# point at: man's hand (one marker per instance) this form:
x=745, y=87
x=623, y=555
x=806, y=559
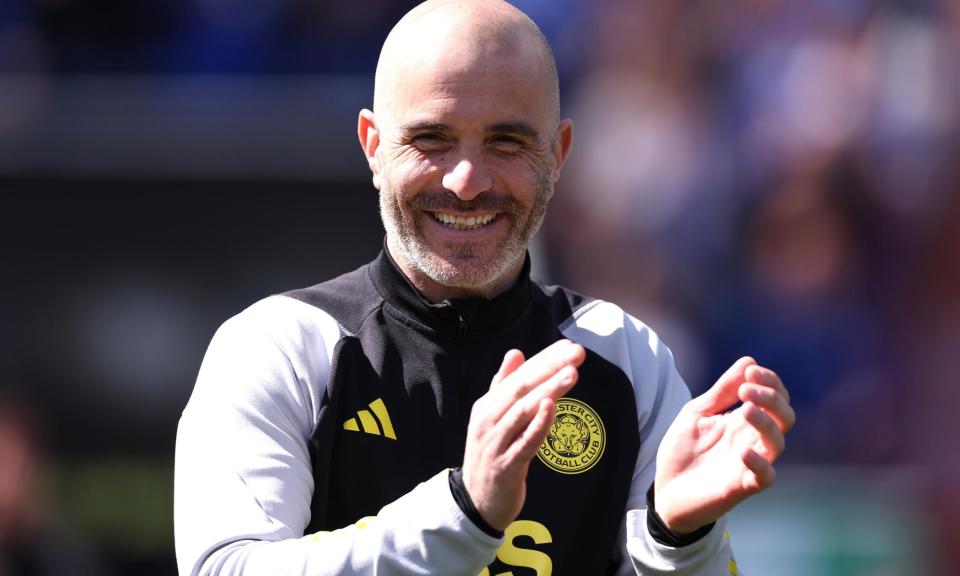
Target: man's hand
x=710, y=460
x=509, y=422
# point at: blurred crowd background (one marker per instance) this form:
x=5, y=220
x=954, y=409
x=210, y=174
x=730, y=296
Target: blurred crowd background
x=771, y=177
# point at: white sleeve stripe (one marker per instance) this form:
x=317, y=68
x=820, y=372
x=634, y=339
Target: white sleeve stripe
x=660, y=394
x=244, y=480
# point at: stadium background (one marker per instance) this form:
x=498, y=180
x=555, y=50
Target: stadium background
x=770, y=177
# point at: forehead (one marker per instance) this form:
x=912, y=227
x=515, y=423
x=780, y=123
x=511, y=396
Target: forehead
x=470, y=104
x=471, y=85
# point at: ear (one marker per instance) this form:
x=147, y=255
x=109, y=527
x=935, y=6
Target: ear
x=561, y=147
x=370, y=142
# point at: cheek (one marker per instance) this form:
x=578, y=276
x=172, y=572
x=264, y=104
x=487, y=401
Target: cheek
x=404, y=175
x=536, y=166
x=526, y=175
x=542, y=166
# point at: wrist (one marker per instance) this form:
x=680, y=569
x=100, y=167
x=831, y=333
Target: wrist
x=462, y=497
x=674, y=535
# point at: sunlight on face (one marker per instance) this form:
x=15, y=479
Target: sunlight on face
x=466, y=161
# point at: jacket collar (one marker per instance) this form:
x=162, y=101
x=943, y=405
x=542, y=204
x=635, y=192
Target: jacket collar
x=459, y=317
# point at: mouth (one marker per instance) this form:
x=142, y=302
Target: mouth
x=456, y=222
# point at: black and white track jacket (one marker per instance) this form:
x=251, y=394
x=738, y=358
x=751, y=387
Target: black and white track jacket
x=324, y=422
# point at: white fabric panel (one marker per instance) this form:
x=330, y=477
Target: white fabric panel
x=243, y=482
x=660, y=393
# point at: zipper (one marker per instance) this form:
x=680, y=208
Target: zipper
x=462, y=326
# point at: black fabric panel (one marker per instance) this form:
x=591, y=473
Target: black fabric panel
x=349, y=298
x=428, y=365
x=463, y=500
x=664, y=535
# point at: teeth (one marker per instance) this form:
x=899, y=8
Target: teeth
x=463, y=222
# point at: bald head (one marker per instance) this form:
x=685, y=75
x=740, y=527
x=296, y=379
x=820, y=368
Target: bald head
x=455, y=38
x=466, y=125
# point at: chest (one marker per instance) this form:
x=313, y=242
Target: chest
x=396, y=413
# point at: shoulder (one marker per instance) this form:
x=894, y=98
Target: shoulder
x=622, y=340
x=275, y=352
x=287, y=325
x=602, y=326
x=349, y=298
x=290, y=337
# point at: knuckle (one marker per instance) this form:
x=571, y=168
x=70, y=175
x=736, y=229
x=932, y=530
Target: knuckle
x=791, y=419
x=780, y=444
x=477, y=409
x=771, y=476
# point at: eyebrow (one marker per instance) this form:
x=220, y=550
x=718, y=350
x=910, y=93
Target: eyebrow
x=518, y=128
x=424, y=126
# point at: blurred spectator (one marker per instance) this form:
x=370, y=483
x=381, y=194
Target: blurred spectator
x=32, y=543
x=197, y=36
x=757, y=179
x=801, y=302
x=928, y=337
x=641, y=214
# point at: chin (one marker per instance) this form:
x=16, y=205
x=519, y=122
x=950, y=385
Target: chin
x=471, y=277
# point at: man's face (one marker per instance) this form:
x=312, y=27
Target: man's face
x=465, y=167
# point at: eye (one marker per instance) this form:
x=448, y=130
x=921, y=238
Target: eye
x=430, y=142
x=506, y=143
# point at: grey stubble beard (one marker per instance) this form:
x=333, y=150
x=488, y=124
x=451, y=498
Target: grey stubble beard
x=408, y=236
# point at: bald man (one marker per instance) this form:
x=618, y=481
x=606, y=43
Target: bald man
x=437, y=411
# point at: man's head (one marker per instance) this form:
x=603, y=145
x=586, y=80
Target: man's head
x=465, y=143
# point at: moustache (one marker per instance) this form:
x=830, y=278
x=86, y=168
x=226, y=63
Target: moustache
x=448, y=201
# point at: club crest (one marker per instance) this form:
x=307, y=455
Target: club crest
x=576, y=438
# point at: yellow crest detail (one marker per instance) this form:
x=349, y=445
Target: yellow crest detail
x=576, y=438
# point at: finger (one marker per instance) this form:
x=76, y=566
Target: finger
x=760, y=473
x=537, y=370
x=512, y=360
x=772, y=402
x=766, y=377
x=723, y=394
x=525, y=446
x=519, y=417
x=771, y=438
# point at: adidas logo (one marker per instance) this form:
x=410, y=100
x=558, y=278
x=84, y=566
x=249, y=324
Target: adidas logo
x=369, y=421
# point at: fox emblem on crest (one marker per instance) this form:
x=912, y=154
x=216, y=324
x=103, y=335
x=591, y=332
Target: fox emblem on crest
x=570, y=435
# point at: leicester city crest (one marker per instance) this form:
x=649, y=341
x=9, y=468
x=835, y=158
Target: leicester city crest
x=576, y=438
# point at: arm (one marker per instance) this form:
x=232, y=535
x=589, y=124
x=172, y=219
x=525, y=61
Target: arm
x=661, y=394
x=243, y=475
x=243, y=480
x=709, y=458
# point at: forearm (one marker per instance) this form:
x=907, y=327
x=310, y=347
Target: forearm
x=711, y=555
x=423, y=532
x=654, y=549
x=649, y=549
x=244, y=482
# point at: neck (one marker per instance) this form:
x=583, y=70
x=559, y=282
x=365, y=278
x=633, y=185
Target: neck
x=435, y=292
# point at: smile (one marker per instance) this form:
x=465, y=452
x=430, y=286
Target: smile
x=463, y=222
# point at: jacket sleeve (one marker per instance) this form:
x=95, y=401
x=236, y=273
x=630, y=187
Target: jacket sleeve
x=243, y=480
x=661, y=393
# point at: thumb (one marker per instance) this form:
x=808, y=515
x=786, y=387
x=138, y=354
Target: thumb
x=723, y=394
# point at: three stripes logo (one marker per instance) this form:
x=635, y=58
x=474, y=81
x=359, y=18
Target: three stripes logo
x=375, y=421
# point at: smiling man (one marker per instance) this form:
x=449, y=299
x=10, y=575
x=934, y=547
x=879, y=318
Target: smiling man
x=438, y=412
x=465, y=145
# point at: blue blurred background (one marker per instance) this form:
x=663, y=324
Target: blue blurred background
x=771, y=177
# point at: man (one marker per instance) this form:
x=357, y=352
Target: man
x=420, y=415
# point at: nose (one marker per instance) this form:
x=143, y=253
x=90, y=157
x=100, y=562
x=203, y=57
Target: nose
x=468, y=178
